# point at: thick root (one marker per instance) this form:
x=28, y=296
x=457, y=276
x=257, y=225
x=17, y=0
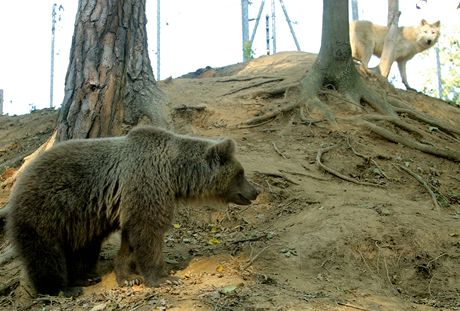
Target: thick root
x=445, y=153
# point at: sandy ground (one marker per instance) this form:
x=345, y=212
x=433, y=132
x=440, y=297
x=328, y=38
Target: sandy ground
x=311, y=241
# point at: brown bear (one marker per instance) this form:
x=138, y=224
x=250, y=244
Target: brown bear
x=74, y=195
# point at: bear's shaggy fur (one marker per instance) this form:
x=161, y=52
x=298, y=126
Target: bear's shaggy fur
x=74, y=195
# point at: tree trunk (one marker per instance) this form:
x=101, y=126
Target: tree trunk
x=109, y=85
x=354, y=10
x=388, y=54
x=334, y=60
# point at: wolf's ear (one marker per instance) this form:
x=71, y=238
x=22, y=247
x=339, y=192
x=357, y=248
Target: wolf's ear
x=423, y=22
x=221, y=151
x=437, y=24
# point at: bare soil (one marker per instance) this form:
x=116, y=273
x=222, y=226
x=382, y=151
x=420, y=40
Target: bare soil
x=311, y=241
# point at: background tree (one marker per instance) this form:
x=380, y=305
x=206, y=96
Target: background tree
x=334, y=69
x=449, y=54
x=109, y=84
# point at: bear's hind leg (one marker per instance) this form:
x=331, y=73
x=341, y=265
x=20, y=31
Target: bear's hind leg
x=44, y=261
x=82, y=264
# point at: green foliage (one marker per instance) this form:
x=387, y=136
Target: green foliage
x=247, y=50
x=449, y=54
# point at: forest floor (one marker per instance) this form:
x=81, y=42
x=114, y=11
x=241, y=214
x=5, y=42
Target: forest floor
x=311, y=240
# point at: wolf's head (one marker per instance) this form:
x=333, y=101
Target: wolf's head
x=428, y=33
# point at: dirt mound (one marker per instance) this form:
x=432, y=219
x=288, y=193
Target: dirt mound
x=311, y=241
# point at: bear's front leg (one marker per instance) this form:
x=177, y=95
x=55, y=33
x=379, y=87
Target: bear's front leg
x=125, y=265
x=145, y=244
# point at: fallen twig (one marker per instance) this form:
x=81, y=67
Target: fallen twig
x=252, y=85
x=255, y=257
x=258, y=120
x=183, y=108
x=351, y=306
x=305, y=174
x=250, y=239
x=278, y=151
x=386, y=267
x=366, y=158
x=312, y=176
x=277, y=175
x=335, y=173
x=243, y=79
x=422, y=182
x=242, y=126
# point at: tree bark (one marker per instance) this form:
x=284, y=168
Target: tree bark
x=110, y=85
x=334, y=60
x=388, y=54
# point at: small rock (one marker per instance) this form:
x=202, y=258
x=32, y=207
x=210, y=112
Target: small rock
x=98, y=307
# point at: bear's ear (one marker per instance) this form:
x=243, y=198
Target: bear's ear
x=221, y=151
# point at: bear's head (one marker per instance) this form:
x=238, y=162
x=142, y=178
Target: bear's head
x=231, y=184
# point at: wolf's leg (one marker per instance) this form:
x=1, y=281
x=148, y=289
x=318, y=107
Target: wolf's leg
x=367, y=49
x=402, y=72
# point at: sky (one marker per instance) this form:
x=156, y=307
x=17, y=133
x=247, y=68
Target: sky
x=194, y=34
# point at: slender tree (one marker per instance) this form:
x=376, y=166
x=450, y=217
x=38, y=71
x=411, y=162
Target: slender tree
x=110, y=85
x=354, y=10
x=388, y=54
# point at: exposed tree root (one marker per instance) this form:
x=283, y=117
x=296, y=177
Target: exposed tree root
x=48, y=144
x=273, y=92
x=444, y=153
x=9, y=286
x=307, y=121
x=396, y=121
x=334, y=172
x=252, y=85
x=388, y=108
x=423, y=183
x=7, y=255
x=420, y=117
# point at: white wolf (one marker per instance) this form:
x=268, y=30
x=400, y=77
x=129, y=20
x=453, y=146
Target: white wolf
x=367, y=39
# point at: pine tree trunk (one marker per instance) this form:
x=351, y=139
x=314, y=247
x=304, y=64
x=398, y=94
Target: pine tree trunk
x=109, y=85
x=334, y=60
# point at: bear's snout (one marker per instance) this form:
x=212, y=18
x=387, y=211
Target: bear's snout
x=247, y=193
x=242, y=192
